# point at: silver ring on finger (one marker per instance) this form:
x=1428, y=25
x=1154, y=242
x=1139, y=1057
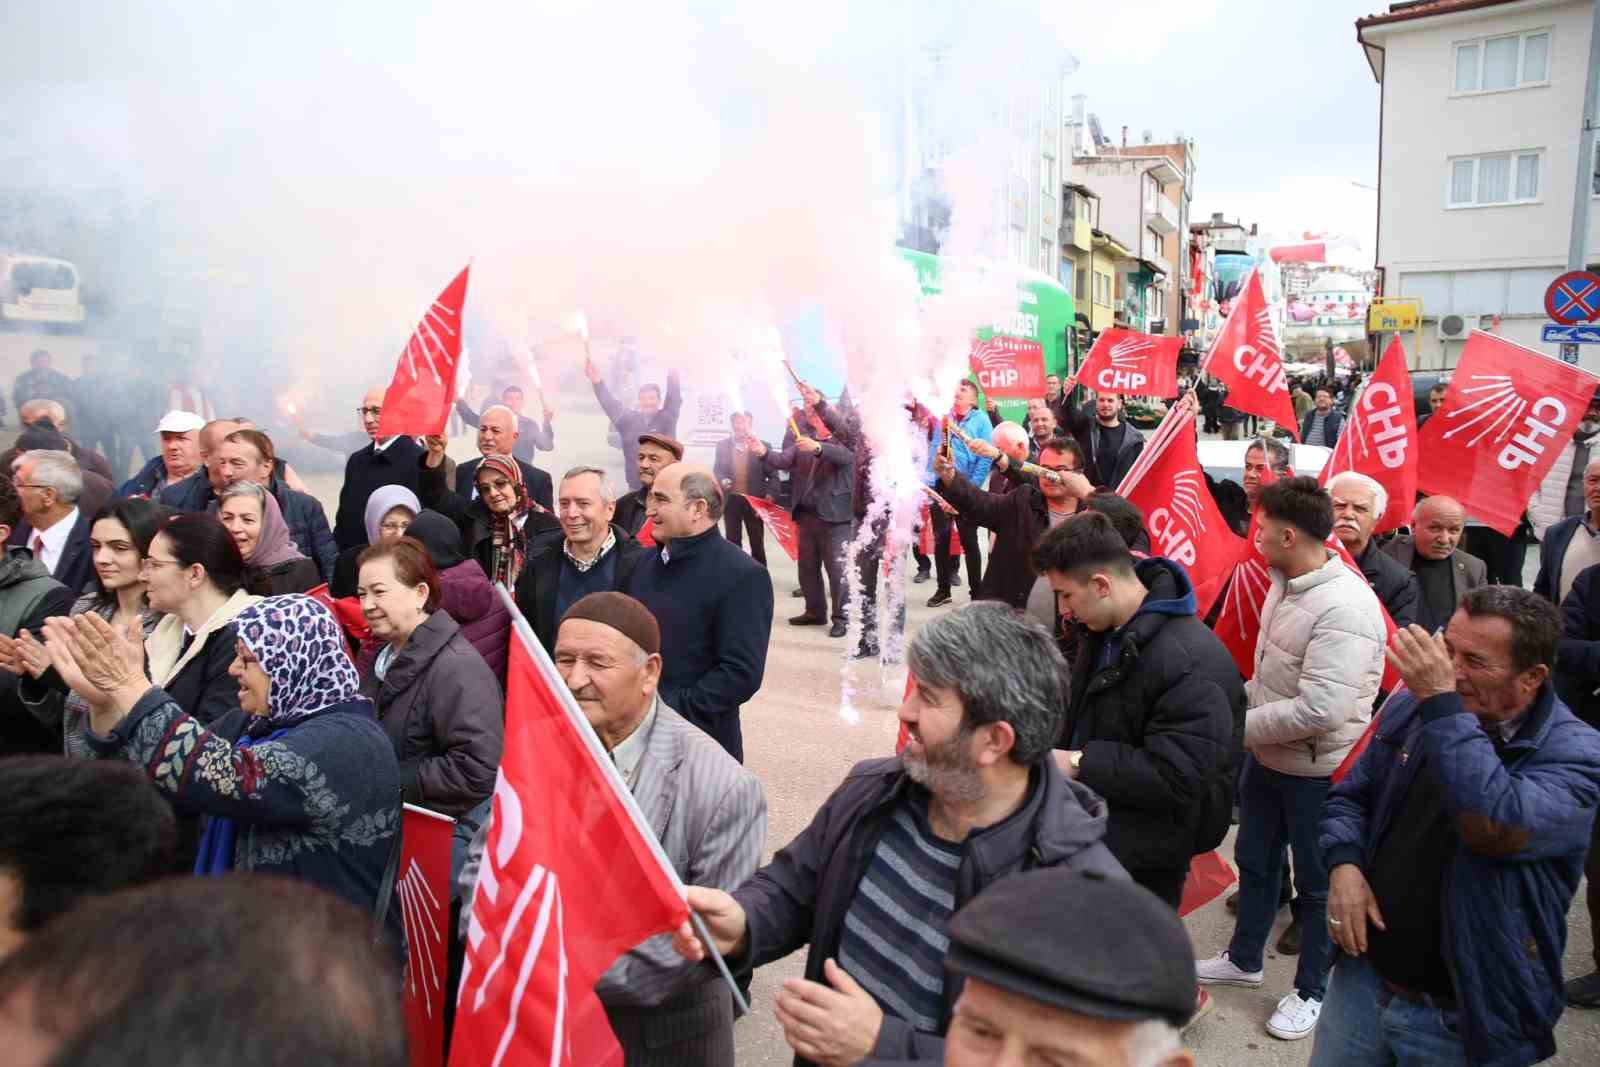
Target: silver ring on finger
x=1335, y=923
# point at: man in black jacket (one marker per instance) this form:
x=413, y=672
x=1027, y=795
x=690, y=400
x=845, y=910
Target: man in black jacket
x=1358, y=503
x=1155, y=720
x=973, y=797
x=530, y=435
x=594, y=556
x=1019, y=515
x=655, y=453
x=1577, y=683
x=498, y=436
x=28, y=596
x=822, y=473
x=1110, y=443
x=743, y=475
x=1322, y=424
x=50, y=484
x=391, y=461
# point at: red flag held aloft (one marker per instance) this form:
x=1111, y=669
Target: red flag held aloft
x=1008, y=367
x=1245, y=357
x=420, y=397
x=1179, y=514
x=571, y=878
x=1138, y=364
x=1380, y=438
x=422, y=895
x=1509, y=412
x=779, y=523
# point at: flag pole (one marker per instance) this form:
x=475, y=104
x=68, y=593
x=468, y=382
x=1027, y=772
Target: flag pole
x=597, y=751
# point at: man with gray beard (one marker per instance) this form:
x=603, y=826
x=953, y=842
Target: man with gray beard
x=904, y=842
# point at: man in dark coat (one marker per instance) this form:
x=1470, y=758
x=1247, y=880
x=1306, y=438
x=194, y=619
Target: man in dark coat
x=655, y=452
x=1155, y=720
x=50, y=484
x=391, y=461
x=1322, y=424
x=1443, y=571
x=743, y=475
x=714, y=604
x=822, y=474
x=651, y=416
x=498, y=436
x=595, y=555
x=1577, y=683
x=28, y=596
x=530, y=435
x=870, y=885
x=1110, y=443
x=1358, y=503
x=1017, y=516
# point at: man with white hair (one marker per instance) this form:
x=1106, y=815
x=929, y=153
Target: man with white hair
x=1358, y=503
x=54, y=414
x=179, y=457
x=498, y=435
x=56, y=532
x=1012, y=440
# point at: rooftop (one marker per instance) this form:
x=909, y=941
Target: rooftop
x=1410, y=11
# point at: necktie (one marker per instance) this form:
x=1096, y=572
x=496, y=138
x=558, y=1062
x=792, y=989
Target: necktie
x=37, y=546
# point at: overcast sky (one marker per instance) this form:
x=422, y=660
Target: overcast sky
x=1276, y=95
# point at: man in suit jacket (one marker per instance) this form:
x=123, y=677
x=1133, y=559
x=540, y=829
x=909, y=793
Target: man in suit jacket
x=530, y=435
x=1444, y=573
x=498, y=435
x=708, y=812
x=50, y=484
x=390, y=461
x=742, y=474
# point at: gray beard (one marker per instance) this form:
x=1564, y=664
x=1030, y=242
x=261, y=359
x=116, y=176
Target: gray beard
x=947, y=772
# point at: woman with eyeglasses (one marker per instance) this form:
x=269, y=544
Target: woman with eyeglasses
x=273, y=563
x=119, y=538
x=390, y=510
x=501, y=524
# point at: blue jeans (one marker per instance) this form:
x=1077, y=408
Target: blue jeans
x=1276, y=810
x=1363, y=1024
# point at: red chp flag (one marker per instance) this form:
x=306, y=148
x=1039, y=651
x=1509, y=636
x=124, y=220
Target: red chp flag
x=1008, y=367
x=422, y=893
x=419, y=398
x=779, y=523
x=1380, y=438
x=1180, y=515
x=1509, y=412
x=647, y=534
x=1138, y=364
x=565, y=831
x=1245, y=357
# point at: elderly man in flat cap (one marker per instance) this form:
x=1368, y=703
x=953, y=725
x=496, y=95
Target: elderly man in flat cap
x=1108, y=980
x=655, y=452
x=708, y=812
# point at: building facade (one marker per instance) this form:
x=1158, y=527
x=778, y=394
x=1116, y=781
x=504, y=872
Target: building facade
x=1481, y=114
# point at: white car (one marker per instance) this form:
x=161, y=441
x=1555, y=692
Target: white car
x=39, y=289
x=1225, y=459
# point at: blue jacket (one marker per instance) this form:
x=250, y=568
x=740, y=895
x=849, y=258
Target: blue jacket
x=1522, y=830
x=147, y=481
x=1551, y=551
x=974, y=469
x=307, y=522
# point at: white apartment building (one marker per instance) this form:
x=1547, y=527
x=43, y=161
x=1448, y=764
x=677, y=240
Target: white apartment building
x=1481, y=116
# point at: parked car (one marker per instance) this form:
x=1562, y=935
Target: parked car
x=39, y=289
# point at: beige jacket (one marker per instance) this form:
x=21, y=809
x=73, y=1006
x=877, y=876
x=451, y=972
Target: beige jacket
x=165, y=643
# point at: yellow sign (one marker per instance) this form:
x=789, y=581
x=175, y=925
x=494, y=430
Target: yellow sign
x=1394, y=315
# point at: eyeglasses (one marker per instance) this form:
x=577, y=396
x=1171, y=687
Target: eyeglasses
x=364, y=412
x=394, y=527
x=151, y=563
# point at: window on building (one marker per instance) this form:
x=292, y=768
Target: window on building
x=1502, y=178
x=1102, y=288
x=1491, y=63
x=1156, y=303
x=1081, y=290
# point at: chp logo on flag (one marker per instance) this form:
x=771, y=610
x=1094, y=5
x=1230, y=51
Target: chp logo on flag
x=1497, y=411
x=1176, y=528
x=1261, y=361
x=1126, y=361
x=1008, y=367
x=1380, y=438
x=419, y=398
x=1246, y=358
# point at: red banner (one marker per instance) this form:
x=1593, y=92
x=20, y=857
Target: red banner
x=1209, y=877
x=1380, y=438
x=1306, y=253
x=1245, y=357
x=1509, y=412
x=565, y=833
x=422, y=895
x=1138, y=364
x=419, y=399
x=1179, y=513
x=779, y=523
x=1008, y=367
x=1238, y=624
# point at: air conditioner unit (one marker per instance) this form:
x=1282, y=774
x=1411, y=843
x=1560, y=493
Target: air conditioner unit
x=1456, y=327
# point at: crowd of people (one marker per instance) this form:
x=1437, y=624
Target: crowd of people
x=199, y=674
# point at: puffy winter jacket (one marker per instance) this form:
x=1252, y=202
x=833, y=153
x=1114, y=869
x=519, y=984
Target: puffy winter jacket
x=485, y=621
x=1522, y=823
x=1319, y=658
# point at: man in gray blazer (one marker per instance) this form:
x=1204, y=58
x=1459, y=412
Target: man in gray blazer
x=1444, y=572
x=708, y=812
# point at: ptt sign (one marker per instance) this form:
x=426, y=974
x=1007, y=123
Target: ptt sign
x=1541, y=423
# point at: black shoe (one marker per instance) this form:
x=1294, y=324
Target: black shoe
x=942, y=596
x=808, y=620
x=1584, y=992
x=1289, y=943
x=797, y=592
x=921, y=576
x=838, y=629
x=1232, y=903
x=865, y=650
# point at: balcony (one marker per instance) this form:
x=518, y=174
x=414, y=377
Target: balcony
x=1160, y=213
x=1077, y=233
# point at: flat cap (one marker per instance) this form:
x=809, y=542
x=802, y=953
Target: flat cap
x=623, y=614
x=176, y=421
x=1079, y=940
x=669, y=443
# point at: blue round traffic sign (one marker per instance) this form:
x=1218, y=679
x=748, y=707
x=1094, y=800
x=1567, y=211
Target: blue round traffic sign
x=1574, y=298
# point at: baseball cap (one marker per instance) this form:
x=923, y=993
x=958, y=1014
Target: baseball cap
x=179, y=422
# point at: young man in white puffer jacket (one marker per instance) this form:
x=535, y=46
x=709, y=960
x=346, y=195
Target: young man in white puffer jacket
x=1318, y=662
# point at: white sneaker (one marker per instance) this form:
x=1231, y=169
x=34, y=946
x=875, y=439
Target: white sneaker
x=1220, y=970
x=1295, y=1018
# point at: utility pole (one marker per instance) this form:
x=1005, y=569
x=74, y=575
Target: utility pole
x=1585, y=185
